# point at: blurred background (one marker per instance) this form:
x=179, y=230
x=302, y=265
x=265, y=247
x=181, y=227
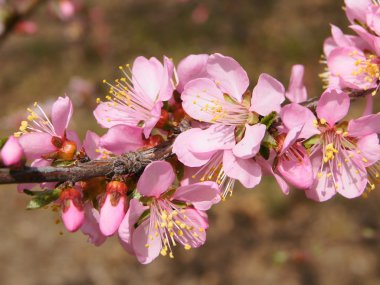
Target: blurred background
x=256, y=237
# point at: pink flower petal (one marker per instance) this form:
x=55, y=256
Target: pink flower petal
x=333, y=106
x=372, y=40
x=373, y=18
x=108, y=115
x=36, y=144
x=370, y=149
x=73, y=136
x=91, y=144
x=90, y=226
x=364, y=126
x=249, y=146
x=228, y=74
x=182, y=148
x=12, y=152
x=61, y=114
x=202, y=195
x=357, y=9
x=152, y=121
x=147, y=76
x=297, y=91
x=267, y=95
x=121, y=139
x=157, y=177
x=247, y=171
x=146, y=244
x=191, y=67
x=291, y=138
x=111, y=216
x=294, y=115
x=198, y=221
x=199, y=96
x=368, y=109
x=126, y=227
x=213, y=138
x=73, y=217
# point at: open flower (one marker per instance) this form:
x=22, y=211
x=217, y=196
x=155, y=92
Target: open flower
x=342, y=151
x=136, y=99
x=166, y=216
x=227, y=147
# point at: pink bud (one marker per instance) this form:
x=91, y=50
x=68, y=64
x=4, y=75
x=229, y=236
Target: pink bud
x=66, y=9
x=72, y=216
x=111, y=215
x=12, y=152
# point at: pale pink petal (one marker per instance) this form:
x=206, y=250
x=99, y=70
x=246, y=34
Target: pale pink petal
x=333, y=106
x=73, y=217
x=228, y=74
x=291, y=138
x=249, y=146
x=191, y=67
x=108, y=115
x=357, y=9
x=198, y=221
x=201, y=195
x=267, y=95
x=372, y=40
x=36, y=144
x=369, y=148
x=297, y=171
x=182, y=148
x=157, y=177
x=213, y=138
x=121, y=139
x=61, y=114
x=294, y=115
x=146, y=244
x=91, y=144
x=199, y=96
x=297, y=91
x=167, y=87
x=340, y=38
x=111, y=216
x=126, y=227
x=155, y=114
x=90, y=225
x=364, y=126
x=12, y=152
x=147, y=75
x=368, y=109
x=328, y=46
x=373, y=18
x=247, y=171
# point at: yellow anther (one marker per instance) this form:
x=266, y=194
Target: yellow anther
x=364, y=160
x=187, y=247
x=319, y=174
x=147, y=245
x=98, y=100
x=323, y=121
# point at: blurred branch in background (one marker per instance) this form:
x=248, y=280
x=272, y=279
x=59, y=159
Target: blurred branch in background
x=12, y=15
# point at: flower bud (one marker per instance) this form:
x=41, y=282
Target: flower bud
x=114, y=208
x=12, y=152
x=67, y=151
x=72, y=209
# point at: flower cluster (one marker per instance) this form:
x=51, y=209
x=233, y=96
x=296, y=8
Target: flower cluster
x=237, y=133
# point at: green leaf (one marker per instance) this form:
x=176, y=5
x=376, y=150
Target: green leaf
x=42, y=198
x=311, y=141
x=269, y=119
x=2, y=142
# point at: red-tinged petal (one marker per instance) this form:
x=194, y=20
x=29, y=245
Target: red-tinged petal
x=202, y=195
x=333, y=106
x=157, y=177
x=247, y=171
x=199, y=97
x=267, y=95
x=36, y=144
x=61, y=114
x=121, y=139
x=90, y=226
x=364, y=126
x=228, y=74
x=249, y=146
x=294, y=115
x=12, y=152
x=191, y=67
x=146, y=244
x=127, y=226
x=111, y=216
x=297, y=91
x=73, y=217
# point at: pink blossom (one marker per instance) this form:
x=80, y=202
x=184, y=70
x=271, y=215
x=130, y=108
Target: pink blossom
x=357, y=10
x=90, y=226
x=72, y=209
x=118, y=140
x=137, y=98
x=339, y=156
x=12, y=152
x=172, y=216
x=218, y=100
x=297, y=92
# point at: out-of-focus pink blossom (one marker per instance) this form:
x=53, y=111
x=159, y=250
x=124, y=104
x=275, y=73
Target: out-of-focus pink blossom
x=200, y=14
x=172, y=216
x=12, y=152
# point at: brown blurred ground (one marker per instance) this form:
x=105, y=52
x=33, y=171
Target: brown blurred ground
x=257, y=236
